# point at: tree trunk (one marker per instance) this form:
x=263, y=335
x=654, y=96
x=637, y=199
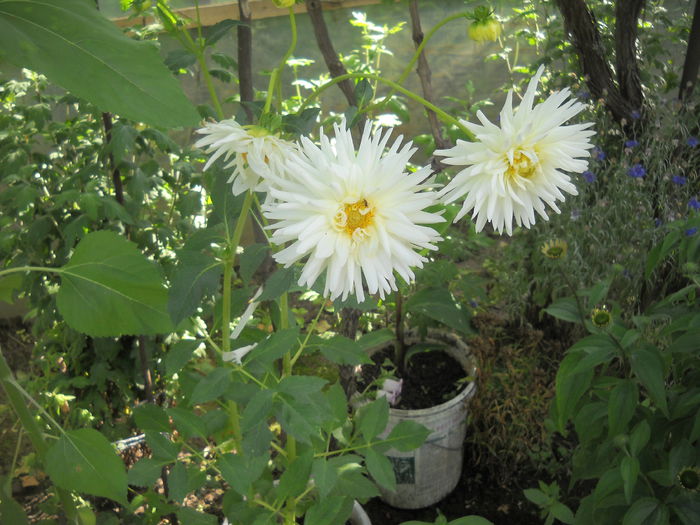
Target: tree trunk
x=626, y=15
x=692, y=57
x=580, y=23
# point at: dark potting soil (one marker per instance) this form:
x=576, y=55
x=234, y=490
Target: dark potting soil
x=432, y=377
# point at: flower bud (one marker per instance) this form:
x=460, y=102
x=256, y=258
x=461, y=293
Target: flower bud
x=485, y=27
x=689, y=478
x=601, y=317
x=284, y=3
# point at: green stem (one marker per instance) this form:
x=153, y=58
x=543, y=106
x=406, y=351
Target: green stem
x=409, y=67
x=277, y=72
x=410, y=94
x=15, y=398
x=228, y=273
x=210, y=84
x=8, y=271
x=579, y=306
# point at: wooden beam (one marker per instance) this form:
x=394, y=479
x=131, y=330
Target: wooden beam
x=211, y=14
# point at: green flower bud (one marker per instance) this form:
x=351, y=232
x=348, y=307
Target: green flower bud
x=689, y=478
x=601, y=317
x=284, y=3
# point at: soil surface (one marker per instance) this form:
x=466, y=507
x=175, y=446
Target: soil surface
x=431, y=377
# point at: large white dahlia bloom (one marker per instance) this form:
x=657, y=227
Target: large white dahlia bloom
x=353, y=214
x=511, y=171
x=256, y=153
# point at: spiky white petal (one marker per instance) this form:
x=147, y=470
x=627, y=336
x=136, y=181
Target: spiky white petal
x=357, y=216
x=513, y=170
x=254, y=154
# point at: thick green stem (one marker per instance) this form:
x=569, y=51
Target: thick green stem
x=16, y=269
x=15, y=398
x=277, y=72
x=448, y=119
x=228, y=273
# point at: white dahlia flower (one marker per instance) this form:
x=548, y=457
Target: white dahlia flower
x=256, y=153
x=511, y=171
x=353, y=214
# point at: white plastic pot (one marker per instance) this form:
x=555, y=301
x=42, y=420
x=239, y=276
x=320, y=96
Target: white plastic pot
x=359, y=516
x=426, y=475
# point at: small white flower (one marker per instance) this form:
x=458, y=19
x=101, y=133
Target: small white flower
x=513, y=170
x=256, y=153
x=238, y=354
x=354, y=214
x=391, y=389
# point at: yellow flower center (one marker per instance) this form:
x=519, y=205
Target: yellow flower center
x=521, y=166
x=354, y=219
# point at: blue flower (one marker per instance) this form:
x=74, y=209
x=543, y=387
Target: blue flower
x=635, y=115
x=631, y=144
x=691, y=231
x=589, y=176
x=692, y=141
x=679, y=179
x=598, y=153
x=694, y=203
x=637, y=171
x=658, y=222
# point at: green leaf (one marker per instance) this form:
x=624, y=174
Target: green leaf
x=538, y=497
x=629, y=470
x=79, y=49
x=372, y=418
x=659, y=252
x=250, y=260
x=648, y=366
x=278, y=283
x=162, y=447
x=214, y=33
x=380, y=468
x=621, y=406
x=341, y=350
x=151, y=417
x=324, y=475
x=570, y=386
x=301, y=387
x=565, y=309
x=329, y=511
x=212, y=386
x=639, y=511
x=179, y=354
x=83, y=460
x=639, y=437
x=145, y=472
x=274, y=347
x=363, y=93
x=471, y=520
x=188, y=424
x=11, y=511
x=440, y=305
x=193, y=517
x=562, y=512
x=375, y=338
x=241, y=471
x=196, y=276
x=407, y=435
x=296, y=476
x=109, y=289
x=9, y=285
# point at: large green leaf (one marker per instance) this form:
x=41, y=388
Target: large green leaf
x=83, y=460
x=196, y=276
x=438, y=304
x=79, y=49
x=110, y=289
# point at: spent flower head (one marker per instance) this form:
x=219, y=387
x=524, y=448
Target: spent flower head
x=256, y=153
x=485, y=27
x=355, y=215
x=555, y=249
x=601, y=317
x=517, y=168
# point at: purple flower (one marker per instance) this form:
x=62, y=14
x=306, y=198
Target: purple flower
x=631, y=144
x=637, y=171
x=583, y=94
x=635, y=115
x=658, y=222
x=598, y=153
x=473, y=303
x=692, y=141
x=589, y=176
x=691, y=231
x=694, y=203
x=679, y=179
